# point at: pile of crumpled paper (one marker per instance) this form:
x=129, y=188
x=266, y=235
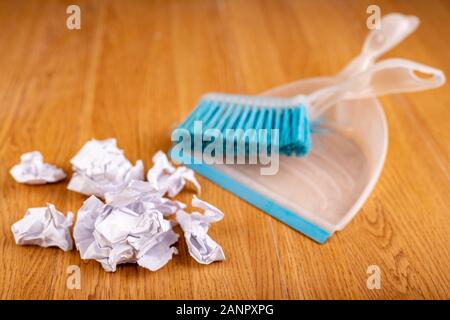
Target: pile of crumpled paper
x=125, y=219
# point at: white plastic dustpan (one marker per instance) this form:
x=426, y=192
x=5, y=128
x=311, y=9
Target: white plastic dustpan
x=321, y=193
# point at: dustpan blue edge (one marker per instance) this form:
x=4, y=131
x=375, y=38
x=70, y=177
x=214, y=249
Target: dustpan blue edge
x=288, y=217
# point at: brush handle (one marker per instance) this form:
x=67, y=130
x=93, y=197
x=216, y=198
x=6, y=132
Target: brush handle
x=394, y=27
x=386, y=76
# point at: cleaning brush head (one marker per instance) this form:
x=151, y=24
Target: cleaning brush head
x=258, y=124
x=252, y=124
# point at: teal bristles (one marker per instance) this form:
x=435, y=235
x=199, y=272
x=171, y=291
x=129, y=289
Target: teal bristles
x=232, y=112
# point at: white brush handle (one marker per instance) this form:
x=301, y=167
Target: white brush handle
x=394, y=27
x=386, y=76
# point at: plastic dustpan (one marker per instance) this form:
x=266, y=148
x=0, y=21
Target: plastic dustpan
x=319, y=194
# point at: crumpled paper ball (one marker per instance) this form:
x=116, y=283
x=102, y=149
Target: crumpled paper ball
x=33, y=170
x=45, y=227
x=129, y=228
x=100, y=167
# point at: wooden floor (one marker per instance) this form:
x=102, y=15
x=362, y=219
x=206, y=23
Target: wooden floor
x=137, y=67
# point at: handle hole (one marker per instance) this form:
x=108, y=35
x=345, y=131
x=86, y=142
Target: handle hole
x=424, y=76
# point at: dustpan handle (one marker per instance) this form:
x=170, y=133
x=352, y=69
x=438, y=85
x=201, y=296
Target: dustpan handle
x=394, y=27
x=386, y=76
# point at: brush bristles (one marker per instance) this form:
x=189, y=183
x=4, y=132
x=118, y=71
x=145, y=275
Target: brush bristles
x=216, y=111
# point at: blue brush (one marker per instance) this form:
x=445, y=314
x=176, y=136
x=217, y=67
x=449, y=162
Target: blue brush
x=227, y=111
x=291, y=117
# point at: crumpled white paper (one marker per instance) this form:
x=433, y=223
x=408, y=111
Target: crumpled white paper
x=129, y=228
x=100, y=167
x=33, y=170
x=45, y=227
x=168, y=178
x=195, y=227
x=142, y=193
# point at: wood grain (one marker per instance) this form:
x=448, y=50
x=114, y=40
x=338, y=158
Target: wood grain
x=137, y=67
